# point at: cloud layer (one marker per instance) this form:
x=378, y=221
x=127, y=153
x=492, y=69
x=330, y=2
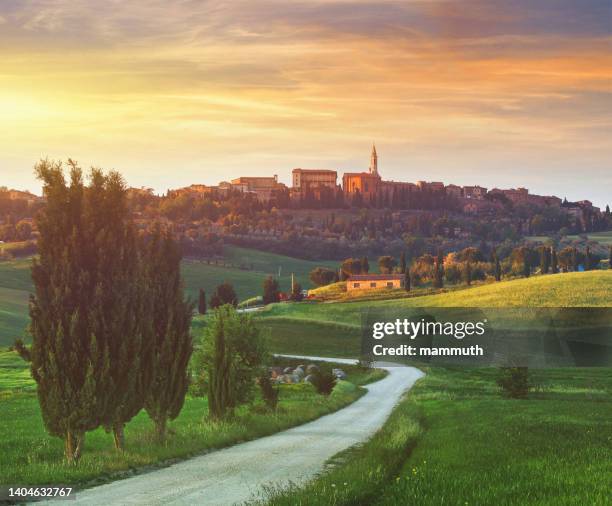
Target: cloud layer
x=503, y=93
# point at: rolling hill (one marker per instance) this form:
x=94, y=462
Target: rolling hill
x=245, y=268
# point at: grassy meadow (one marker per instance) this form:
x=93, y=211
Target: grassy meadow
x=29, y=456
x=604, y=238
x=575, y=289
x=246, y=269
x=455, y=440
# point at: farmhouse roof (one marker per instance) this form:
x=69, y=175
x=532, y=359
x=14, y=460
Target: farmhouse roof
x=375, y=277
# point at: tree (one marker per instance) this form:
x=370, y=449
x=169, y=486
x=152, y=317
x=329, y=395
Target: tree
x=270, y=290
x=386, y=264
x=365, y=265
x=349, y=267
x=402, y=263
x=170, y=315
x=224, y=294
x=526, y=267
x=232, y=354
x=467, y=273
x=321, y=276
x=296, y=292
x=544, y=259
x=497, y=266
x=407, y=280
x=202, y=301
x=588, y=259
x=574, y=258
x=438, y=281
x=86, y=313
x=554, y=264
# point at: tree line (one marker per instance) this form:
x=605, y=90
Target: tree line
x=109, y=323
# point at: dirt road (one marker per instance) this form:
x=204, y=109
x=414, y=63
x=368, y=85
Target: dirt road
x=235, y=474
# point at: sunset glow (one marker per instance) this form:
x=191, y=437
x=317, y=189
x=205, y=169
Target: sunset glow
x=496, y=93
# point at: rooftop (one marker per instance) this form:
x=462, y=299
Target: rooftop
x=375, y=277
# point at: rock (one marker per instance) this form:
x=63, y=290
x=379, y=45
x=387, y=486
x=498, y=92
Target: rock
x=299, y=371
x=296, y=378
x=309, y=379
x=287, y=370
x=339, y=373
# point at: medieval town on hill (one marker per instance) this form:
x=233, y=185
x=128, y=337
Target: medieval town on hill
x=321, y=215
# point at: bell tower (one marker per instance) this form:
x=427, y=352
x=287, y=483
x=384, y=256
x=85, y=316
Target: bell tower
x=374, y=161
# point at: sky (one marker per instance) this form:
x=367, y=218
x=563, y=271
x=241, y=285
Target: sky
x=497, y=93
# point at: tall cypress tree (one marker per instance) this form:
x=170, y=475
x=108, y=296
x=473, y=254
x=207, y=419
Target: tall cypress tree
x=172, y=344
x=497, y=266
x=202, y=302
x=407, y=280
x=402, y=263
x=554, y=262
x=365, y=265
x=588, y=259
x=83, y=336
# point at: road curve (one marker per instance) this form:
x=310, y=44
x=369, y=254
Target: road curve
x=236, y=474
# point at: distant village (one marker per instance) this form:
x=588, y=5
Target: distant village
x=371, y=190
x=320, y=216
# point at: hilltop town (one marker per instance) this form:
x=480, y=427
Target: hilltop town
x=368, y=189
x=323, y=215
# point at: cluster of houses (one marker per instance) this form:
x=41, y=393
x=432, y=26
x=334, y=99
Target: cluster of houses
x=369, y=184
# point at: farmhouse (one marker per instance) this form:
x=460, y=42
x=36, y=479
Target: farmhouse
x=374, y=281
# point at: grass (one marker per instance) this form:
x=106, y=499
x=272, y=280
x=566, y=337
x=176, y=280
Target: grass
x=454, y=440
x=249, y=268
x=29, y=456
x=604, y=238
x=577, y=289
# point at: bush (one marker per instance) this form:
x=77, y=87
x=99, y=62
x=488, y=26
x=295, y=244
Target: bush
x=324, y=382
x=268, y=392
x=514, y=382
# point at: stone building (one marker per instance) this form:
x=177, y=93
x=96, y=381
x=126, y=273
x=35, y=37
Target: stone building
x=374, y=281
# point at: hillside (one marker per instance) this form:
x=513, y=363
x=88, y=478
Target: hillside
x=574, y=289
x=245, y=268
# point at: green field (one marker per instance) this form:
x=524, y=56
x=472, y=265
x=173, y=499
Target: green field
x=592, y=288
x=454, y=440
x=16, y=284
x=28, y=455
x=601, y=237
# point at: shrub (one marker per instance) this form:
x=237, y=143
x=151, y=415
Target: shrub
x=324, y=382
x=514, y=382
x=268, y=392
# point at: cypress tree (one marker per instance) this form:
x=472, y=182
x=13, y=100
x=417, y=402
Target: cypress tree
x=526, y=266
x=270, y=290
x=554, y=263
x=407, y=280
x=202, y=302
x=172, y=344
x=588, y=259
x=365, y=265
x=402, y=265
x=219, y=373
x=468, y=273
x=497, y=267
x=87, y=340
x=438, y=280
x=544, y=260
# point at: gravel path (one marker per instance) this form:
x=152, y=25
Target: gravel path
x=236, y=474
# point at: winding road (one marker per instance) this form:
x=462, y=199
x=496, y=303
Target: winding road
x=238, y=473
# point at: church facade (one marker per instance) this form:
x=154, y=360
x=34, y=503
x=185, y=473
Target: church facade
x=367, y=184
